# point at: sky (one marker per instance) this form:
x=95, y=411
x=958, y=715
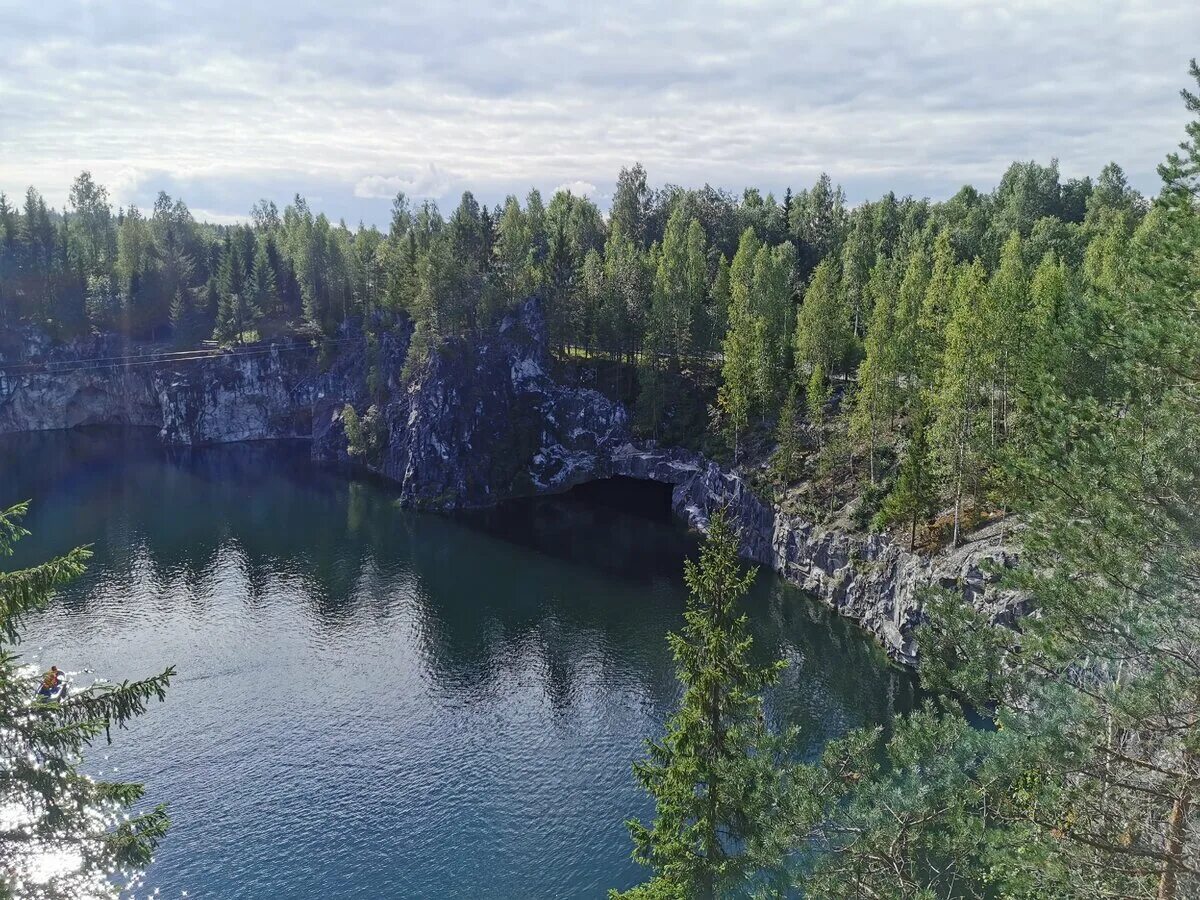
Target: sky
x=347, y=103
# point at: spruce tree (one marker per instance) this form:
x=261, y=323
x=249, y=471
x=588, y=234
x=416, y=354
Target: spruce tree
x=264, y=288
x=915, y=492
x=785, y=462
x=717, y=775
x=50, y=804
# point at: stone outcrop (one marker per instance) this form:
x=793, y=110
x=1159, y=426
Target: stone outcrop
x=868, y=578
x=482, y=422
x=258, y=393
x=476, y=423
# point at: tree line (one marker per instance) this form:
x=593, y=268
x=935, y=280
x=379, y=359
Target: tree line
x=907, y=335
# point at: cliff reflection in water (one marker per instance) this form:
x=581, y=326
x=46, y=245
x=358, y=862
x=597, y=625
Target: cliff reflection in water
x=453, y=690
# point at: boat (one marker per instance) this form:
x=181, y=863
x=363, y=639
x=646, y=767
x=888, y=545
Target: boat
x=59, y=692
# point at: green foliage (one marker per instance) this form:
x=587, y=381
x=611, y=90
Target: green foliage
x=786, y=463
x=52, y=806
x=915, y=493
x=365, y=436
x=876, y=400
x=717, y=773
x=1086, y=784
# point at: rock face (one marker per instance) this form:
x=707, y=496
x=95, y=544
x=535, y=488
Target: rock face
x=476, y=423
x=255, y=394
x=483, y=422
x=866, y=578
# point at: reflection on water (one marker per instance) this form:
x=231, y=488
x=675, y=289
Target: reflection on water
x=375, y=702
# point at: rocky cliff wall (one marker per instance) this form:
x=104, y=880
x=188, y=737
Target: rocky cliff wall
x=480, y=422
x=255, y=393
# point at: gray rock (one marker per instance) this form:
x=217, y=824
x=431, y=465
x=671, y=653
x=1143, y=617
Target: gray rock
x=481, y=421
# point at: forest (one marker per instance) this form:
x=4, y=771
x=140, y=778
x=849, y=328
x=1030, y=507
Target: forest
x=1026, y=354
x=881, y=358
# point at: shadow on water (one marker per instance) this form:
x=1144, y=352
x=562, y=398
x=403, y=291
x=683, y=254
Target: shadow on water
x=515, y=658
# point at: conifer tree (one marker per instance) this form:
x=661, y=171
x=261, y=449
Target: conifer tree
x=50, y=804
x=959, y=428
x=936, y=308
x=1005, y=322
x=876, y=397
x=785, y=462
x=822, y=330
x=1089, y=786
x=915, y=492
x=717, y=775
x=235, y=310
x=263, y=287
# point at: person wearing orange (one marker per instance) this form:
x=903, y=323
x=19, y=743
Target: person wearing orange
x=50, y=681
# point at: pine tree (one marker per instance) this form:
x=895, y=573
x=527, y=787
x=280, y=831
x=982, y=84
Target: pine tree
x=1005, y=324
x=50, y=804
x=716, y=776
x=1089, y=786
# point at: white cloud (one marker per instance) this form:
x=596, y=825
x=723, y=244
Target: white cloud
x=221, y=104
x=220, y=218
x=429, y=182
x=579, y=188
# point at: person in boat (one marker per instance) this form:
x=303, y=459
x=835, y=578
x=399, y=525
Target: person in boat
x=50, y=681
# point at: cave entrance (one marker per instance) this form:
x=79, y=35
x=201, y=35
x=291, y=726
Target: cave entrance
x=635, y=496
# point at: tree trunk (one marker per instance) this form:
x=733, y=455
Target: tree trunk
x=712, y=840
x=1168, y=884
x=957, y=494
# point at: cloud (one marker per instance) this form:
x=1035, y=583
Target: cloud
x=578, y=187
x=429, y=182
x=228, y=103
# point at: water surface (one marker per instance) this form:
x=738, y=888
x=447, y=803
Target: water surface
x=379, y=703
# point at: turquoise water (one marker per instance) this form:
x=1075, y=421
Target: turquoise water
x=379, y=703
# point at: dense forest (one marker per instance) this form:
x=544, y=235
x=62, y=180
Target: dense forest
x=888, y=351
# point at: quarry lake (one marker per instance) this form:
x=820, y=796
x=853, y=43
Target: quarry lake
x=373, y=702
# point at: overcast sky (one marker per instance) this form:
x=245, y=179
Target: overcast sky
x=223, y=103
